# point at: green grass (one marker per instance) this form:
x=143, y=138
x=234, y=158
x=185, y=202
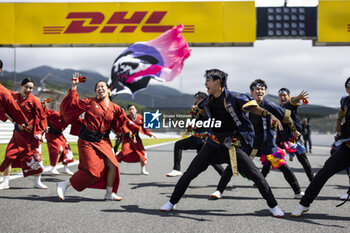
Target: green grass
x=74, y=147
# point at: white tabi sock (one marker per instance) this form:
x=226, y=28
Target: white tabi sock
x=61, y=188
x=111, y=196
x=38, y=183
x=6, y=179
x=54, y=170
x=5, y=183
x=67, y=183
x=67, y=171
x=37, y=179
x=143, y=170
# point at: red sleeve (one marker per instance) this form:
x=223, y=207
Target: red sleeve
x=40, y=118
x=9, y=105
x=51, y=113
x=2, y=114
x=71, y=107
x=122, y=123
x=75, y=127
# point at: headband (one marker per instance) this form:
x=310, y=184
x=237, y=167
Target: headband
x=258, y=85
x=283, y=92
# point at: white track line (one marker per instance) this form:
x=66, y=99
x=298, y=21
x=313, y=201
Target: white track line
x=46, y=169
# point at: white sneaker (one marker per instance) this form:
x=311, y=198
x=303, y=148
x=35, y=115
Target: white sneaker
x=345, y=196
x=276, y=212
x=61, y=189
x=215, y=195
x=299, y=211
x=113, y=197
x=299, y=196
x=167, y=207
x=54, y=171
x=174, y=173
x=4, y=185
x=67, y=171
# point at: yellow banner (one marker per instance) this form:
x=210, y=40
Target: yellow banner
x=125, y=22
x=334, y=21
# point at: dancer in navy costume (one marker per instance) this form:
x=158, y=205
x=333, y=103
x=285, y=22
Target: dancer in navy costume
x=338, y=161
x=228, y=143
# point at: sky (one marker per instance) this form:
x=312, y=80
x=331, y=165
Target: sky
x=294, y=64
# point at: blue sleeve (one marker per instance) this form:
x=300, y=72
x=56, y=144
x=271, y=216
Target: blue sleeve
x=343, y=101
x=276, y=110
x=242, y=100
x=201, y=104
x=291, y=106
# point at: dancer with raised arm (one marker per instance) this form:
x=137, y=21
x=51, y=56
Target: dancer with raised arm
x=98, y=166
x=228, y=142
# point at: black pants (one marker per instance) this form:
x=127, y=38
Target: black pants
x=188, y=144
x=340, y=160
x=307, y=140
x=288, y=175
x=213, y=155
x=302, y=158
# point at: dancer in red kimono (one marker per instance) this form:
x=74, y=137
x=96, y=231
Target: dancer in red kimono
x=98, y=166
x=8, y=106
x=9, y=109
x=59, y=149
x=132, y=147
x=24, y=148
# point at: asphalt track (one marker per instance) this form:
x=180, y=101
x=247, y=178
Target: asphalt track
x=25, y=209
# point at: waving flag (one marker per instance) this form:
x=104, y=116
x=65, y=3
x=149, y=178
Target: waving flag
x=161, y=59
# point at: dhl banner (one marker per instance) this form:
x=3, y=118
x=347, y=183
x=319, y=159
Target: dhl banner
x=125, y=22
x=334, y=21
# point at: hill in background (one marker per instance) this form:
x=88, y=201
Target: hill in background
x=154, y=96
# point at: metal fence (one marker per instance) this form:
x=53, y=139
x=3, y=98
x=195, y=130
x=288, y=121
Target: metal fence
x=6, y=131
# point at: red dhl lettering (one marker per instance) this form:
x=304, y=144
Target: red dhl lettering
x=87, y=22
